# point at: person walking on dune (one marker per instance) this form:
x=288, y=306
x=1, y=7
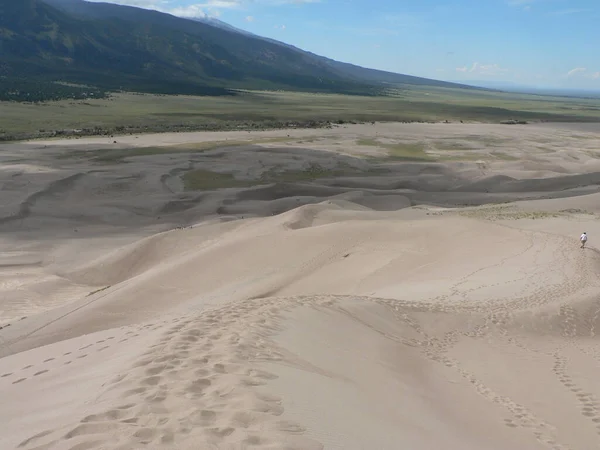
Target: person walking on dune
x=583, y=239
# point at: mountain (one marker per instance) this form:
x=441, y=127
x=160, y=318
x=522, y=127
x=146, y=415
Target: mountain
x=223, y=25
x=120, y=47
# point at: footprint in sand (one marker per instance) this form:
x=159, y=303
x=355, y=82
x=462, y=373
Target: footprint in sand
x=167, y=438
x=156, y=370
x=113, y=414
x=222, y=432
x=89, y=428
x=204, y=418
x=135, y=391
x=151, y=381
x=34, y=438
x=145, y=435
x=196, y=387
x=290, y=427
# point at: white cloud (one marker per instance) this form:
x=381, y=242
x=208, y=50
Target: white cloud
x=521, y=2
x=566, y=12
x=203, y=9
x=483, y=69
x=288, y=2
x=222, y=4
x=581, y=73
x=190, y=11
x=576, y=71
x=249, y=19
x=169, y=7
x=525, y=4
x=146, y=4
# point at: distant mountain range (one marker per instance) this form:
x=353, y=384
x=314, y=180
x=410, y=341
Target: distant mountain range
x=121, y=47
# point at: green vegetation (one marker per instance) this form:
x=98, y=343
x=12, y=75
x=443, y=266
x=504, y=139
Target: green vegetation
x=450, y=144
x=118, y=155
x=461, y=157
x=211, y=78
x=408, y=152
x=504, y=156
x=205, y=180
x=23, y=90
x=368, y=142
x=257, y=110
x=493, y=213
x=311, y=173
x=442, y=150
x=200, y=179
x=576, y=211
x=501, y=107
x=404, y=151
x=97, y=290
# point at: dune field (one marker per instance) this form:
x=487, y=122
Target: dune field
x=376, y=286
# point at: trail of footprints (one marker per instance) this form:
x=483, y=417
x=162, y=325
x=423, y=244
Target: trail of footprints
x=501, y=315
x=34, y=370
x=197, y=384
x=436, y=349
x=45, y=366
x=208, y=360
x=589, y=403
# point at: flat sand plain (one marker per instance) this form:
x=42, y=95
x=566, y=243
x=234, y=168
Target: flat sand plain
x=385, y=286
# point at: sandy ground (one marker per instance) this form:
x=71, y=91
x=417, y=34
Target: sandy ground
x=417, y=305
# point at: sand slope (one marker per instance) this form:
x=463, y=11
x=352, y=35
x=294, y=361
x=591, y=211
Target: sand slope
x=329, y=326
x=385, y=304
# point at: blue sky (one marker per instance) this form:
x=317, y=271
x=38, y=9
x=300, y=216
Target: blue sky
x=544, y=43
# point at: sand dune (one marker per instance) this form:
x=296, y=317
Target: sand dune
x=383, y=330
x=377, y=317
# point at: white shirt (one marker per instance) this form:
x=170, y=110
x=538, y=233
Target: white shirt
x=583, y=237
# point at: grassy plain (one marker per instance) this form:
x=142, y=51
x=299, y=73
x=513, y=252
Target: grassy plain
x=138, y=113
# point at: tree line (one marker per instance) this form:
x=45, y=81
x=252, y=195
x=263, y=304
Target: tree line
x=35, y=91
